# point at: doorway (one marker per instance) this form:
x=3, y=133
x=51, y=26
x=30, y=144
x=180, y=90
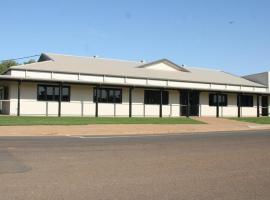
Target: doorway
x=264, y=105
x=189, y=101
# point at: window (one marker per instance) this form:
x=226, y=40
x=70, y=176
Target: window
x=153, y=97
x=51, y=93
x=246, y=101
x=65, y=93
x=108, y=95
x=215, y=99
x=4, y=94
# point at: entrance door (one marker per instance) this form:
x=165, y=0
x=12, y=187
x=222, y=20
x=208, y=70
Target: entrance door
x=1, y=98
x=193, y=98
x=264, y=105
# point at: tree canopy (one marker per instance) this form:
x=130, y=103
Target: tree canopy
x=29, y=61
x=5, y=65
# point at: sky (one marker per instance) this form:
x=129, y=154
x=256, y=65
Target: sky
x=230, y=35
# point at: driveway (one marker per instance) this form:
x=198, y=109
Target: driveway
x=200, y=166
x=213, y=124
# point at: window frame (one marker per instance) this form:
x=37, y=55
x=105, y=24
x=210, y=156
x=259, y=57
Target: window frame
x=54, y=96
x=108, y=100
x=4, y=93
x=215, y=104
x=165, y=93
x=241, y=101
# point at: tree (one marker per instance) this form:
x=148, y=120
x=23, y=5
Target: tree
x=30, y=61
x=5, y=65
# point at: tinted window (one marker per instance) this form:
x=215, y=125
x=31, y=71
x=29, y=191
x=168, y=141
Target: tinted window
x=215, y=99
x=65, y=93
x=153, y=97
x=246, y=101
x=51, y=93
x=118, y=96
x=108, y=95
x=41, y=92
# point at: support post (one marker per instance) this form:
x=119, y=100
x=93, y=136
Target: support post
x=188, y=104
x=239, y=105
x=60, y=99
x=160, y=103
x=217, y=95
x=180, y=106
x=19, y=99
x=130, y=101
x=258, y=105
x=97, y=99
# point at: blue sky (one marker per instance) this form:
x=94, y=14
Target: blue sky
x=231, y=35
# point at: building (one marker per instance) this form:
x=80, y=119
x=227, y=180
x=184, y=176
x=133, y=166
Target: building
x=62, y=85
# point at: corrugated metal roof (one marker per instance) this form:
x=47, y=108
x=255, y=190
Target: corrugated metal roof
x=100, y=66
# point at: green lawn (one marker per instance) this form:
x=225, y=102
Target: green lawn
x=15, y=121
x=257, y=120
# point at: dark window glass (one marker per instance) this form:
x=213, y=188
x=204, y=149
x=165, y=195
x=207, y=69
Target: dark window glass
x=65, y=93
x=104, y=96
x=41, y=92
x=111, y=96
x=5, y=93
x=95, y=94
x=246, y=101
x=214, y=99
x=51, y=93
x=56, y=93
x=1, y=93
x=153, y=97
x=118, y=96
x=108, y=95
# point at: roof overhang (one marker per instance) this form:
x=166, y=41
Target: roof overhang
x=145, y=83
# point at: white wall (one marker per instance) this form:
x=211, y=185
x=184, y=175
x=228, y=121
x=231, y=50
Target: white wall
x=161, y=66
x=232, y=109
x=81, y=104
x=227, y=111
x=205, y=109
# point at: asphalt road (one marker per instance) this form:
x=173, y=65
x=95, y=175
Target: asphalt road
x=200, y=166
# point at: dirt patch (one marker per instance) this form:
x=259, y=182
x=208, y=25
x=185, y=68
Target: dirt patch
x=213, y=124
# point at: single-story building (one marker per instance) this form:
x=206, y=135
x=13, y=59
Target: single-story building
x=63, y=85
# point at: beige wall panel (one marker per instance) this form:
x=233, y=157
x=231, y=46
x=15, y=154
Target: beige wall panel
x=157, y=82
x=114, y=80
x=18, y=73
x=136, y=81
x=152, y=110
x=91, y=78
x=34, y=74
x=106, y=109
x=63, y=76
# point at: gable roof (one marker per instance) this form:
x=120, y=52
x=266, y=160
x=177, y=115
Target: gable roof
x=167, y=62
x=100, y=66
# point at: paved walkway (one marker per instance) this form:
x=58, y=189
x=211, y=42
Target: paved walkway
x=213, y=124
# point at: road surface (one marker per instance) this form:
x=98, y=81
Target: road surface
x=198, y=166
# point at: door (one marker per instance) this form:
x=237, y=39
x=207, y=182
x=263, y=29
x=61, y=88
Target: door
x=1, y=99
x=264, y=105
x=189, y=101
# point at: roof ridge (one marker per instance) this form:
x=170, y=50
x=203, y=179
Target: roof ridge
x=35, y=63
x=202, y=68
x=91, y=57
